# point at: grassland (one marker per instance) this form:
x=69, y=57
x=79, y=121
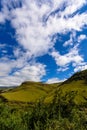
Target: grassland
x=64, y=105
x=76, y=83
x=77, y=86
x=29, y=92
x=33, y=91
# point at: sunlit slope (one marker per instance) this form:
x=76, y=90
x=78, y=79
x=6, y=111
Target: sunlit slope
x=29, y=92
x=77, y=83
x=33, y=91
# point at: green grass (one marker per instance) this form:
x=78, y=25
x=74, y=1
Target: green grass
x=29, y=92
x=78, y=86
x=19, y=109
x=33, y=91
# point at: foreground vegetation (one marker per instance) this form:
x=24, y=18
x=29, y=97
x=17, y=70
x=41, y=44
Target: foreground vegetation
x=37, y=106
x=62, y=114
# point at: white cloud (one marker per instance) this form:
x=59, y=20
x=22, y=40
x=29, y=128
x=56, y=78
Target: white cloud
x=82, y=37
x=61, y=25
x=35, y=23
x=31, y=72
x=2, y=45
x=20, y=69
x=71, y=57
x=1, y=17
x=4, y=69
x=80, y=67
x=54, y=80
x=71, y=40
x=33, y=33
x=30, y=31
x=73, y=6
x=27, y=73
x=62, y=69
x=74, y=40
x=4, y=14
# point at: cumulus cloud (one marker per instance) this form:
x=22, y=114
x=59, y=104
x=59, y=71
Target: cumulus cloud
x=35, y=23
x=71, y=41
x=80, y=67
x=1, y=17
x=62, y=69
x=54, y=80
x=31, y=72
x=82, y=37
x=71, y=57
x=27, y=73
x=35, y=28
x=74, y=40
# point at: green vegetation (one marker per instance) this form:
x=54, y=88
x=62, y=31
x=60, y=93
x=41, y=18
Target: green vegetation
x=29, y=92
x=77, y=86
x=62, y=114
x=37, y=106
x=76, y=83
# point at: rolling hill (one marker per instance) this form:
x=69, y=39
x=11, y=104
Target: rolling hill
x=29, y=92
x=33, y=91
x=76, y=83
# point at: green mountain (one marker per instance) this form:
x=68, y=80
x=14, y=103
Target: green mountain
x=76, y=83
x=33, y=91
x=29, y=92
x=79, y=76
x=62, y=106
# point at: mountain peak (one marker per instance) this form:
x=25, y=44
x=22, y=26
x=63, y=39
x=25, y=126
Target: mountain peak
x=82, y=75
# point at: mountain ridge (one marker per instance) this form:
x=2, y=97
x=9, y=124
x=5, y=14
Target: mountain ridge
x=30, y=91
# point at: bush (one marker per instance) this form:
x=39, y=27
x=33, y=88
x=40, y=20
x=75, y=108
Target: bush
x=61, y=114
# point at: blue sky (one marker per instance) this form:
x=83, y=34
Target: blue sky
x=42, y=40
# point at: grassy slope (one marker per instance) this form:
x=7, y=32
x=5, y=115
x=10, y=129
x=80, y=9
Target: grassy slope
x=32, y=91
x=77, y=86
x=29, y=92
x=77, y=83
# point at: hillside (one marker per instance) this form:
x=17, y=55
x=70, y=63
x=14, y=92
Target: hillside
x=29, y=92
x=64, y=106
x=33, y=91
x=76, y=83
x=78, y=76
